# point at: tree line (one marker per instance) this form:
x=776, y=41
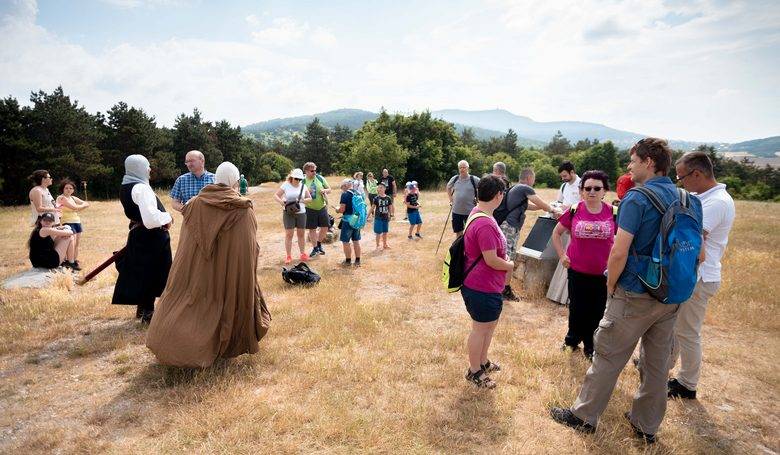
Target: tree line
x=58, y=134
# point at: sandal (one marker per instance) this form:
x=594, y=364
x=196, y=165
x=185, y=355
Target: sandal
x=490, y=367
x=480, y=379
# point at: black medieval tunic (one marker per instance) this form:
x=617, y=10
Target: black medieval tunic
x=143, y=269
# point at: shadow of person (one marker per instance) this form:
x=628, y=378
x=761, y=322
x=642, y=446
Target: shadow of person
x=471, y=419
x=704, y=432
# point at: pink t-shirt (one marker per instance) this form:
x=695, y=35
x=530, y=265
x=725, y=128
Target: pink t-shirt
x=483, y=234
x=592, y=236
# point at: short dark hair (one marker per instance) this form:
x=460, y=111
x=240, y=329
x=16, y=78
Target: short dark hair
x=596, y=175
x=65, y=182
x=566, y=166
x=657, y=150
x=38, y=176
x=488, y=186
x=697, y=161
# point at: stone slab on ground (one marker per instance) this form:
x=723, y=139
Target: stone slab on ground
x=32, y=278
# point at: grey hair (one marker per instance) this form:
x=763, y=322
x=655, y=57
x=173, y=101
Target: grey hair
x=499, y=166
x=347, y=182
x=526, y=173
x=462, y=162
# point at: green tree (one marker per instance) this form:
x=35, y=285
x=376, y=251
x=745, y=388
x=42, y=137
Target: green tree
x=317, y=147
x=190, y=132
x=558, y=145
x=599, y=157
x=272, y=167
x=510, y=143
x=372, y=150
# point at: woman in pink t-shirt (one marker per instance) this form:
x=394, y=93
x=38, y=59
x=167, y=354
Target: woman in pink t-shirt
x=592, y=226
x=486, y=267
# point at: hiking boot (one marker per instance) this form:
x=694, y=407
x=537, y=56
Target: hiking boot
x=346, y=263
x=409, y=237
x=418, y=236
x=75, y=266
x=146, y=317
x=509, y=295
x=677, y=390
x=321, y=250
x=66, y=264
x=648, y=438
x=480, y=379
x=138, y=312
x=566, y=417
x=314, y=252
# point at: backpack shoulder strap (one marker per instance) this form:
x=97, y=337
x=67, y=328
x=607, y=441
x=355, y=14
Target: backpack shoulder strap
x=472, y=218
x=573, y=209
x=685, y=199
x=650, y=194
x=300, y=196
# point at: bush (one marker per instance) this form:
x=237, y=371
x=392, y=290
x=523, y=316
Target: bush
x=273, y=167
x=548, y=176
x=372, y=151
x=758, y=191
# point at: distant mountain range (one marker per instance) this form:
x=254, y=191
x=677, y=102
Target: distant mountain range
x=495, y=123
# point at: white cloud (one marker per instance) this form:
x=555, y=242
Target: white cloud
x=286, y=31
x=129, y=4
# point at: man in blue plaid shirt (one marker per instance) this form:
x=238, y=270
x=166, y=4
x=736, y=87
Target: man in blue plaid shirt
x=189, y=185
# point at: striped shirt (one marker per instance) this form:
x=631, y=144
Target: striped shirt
x=188, y=185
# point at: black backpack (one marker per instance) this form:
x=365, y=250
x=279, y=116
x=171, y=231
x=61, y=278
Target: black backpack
x=502, y=211
x=300, y=274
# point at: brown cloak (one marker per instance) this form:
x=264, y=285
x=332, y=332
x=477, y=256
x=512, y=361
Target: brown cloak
x=212, y=305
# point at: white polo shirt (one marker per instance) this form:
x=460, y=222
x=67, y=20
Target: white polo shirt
x=718, y=217
x=569, y=193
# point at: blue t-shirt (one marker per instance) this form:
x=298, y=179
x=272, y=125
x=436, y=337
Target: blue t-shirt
x=637, y=216
x=346, y=199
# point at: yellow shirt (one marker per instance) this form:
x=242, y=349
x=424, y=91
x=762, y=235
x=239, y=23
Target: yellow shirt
x=69, y=215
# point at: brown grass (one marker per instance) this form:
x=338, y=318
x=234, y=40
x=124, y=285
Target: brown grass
x=371, y=360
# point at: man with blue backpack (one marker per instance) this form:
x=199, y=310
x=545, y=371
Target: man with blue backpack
x=352, y=206
x=651, y=270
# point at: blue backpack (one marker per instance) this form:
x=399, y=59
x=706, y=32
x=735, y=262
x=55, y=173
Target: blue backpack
x=670, y=275
x=359, y=212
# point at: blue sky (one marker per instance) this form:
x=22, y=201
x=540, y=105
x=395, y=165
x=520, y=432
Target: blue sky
x=698, y=70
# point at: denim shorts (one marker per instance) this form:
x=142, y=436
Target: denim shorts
x=348, y=233
x=482, y=306
x=414, y=217
x=75, y=227
x=381, y=226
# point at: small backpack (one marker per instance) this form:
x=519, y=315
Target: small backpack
x=359, y=212
x=670, y=275
x=300, y=274
x=454, y=272
x=502, y=211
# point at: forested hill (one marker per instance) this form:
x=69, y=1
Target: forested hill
x=766, y=147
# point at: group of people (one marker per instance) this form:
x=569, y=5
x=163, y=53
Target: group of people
x=303, y=198
x=54, y=240
x=610, y=311
x=211, y=305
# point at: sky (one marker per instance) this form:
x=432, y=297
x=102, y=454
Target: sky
x=702, y=70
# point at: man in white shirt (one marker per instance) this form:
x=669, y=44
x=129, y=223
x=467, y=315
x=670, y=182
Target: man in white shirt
x=569, y=193
x=695, y=172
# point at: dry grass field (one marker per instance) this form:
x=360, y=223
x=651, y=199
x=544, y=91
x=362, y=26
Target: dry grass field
x=370, y=360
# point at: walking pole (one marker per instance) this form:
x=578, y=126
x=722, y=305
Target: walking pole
x=84, y=184
x=444, y=229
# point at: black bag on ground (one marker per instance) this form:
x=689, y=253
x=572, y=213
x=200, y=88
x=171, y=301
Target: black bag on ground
x=300, y=274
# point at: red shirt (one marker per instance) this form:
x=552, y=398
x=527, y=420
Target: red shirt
x=624, y=183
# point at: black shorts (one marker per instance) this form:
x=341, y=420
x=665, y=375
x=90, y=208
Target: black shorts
x=458, y=222
x=317, y=218
x=482, y=306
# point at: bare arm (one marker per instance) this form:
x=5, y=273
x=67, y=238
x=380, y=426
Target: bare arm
x=53, y=232
x=278, y=196
x=36, y=197
x=342, y=208
x=81, y=203
x=497, y=263
x=617, y=258
x=177, y=205
x=538, y=203
x=306, y=194
x=558, y=244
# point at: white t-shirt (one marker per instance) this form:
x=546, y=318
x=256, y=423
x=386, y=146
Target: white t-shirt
x=718, y=217
x=569, y=193
x=293, y=193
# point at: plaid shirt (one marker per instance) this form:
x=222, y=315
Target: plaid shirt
x=188, y=186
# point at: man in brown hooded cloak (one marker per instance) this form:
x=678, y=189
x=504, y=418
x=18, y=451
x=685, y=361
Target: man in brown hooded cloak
x=212, y=305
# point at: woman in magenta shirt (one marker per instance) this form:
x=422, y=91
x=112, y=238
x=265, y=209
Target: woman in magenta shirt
x=485, y=246
x=592, y=226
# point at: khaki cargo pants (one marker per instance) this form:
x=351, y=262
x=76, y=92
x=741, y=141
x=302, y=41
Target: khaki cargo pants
x=630, y=316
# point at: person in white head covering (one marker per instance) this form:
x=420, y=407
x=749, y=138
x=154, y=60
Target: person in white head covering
x=143, y=269
x=212, y=306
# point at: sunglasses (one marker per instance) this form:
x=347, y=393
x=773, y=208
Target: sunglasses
x=588, y=189
x=297, y=179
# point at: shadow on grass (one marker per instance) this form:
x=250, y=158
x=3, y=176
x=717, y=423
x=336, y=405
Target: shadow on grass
x=471, y=420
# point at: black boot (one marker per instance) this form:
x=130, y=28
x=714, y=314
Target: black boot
x=138, y=312
x=509, y=295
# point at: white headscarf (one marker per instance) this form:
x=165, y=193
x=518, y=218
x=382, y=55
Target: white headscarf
x=136, y=170
x=227, y=174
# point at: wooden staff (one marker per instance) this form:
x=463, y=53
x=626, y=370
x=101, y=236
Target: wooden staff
x=102, y=266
